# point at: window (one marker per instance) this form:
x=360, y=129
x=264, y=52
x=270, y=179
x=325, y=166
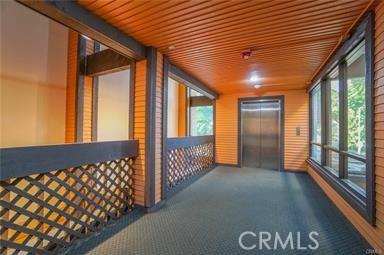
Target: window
x=200, y=114
x=341, y=121
x=190, y=113
x=333, y=121
x=113, y=106
x=33, y=78
x=201, y=120
x=316, y=124
x=356, y=116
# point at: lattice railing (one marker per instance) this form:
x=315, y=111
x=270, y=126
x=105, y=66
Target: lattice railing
x=187, y=157
x=45, y=213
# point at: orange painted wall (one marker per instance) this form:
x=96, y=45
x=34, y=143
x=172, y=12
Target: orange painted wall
x=296, y=115
x=70, y=114
x=139, y=130
x=373, y=234
x=159, y=127
x=182, y=110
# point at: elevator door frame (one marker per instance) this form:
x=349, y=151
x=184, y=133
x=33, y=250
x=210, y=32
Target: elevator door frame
x=279, y=99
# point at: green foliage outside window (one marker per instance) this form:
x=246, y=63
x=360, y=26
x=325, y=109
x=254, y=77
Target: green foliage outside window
x=356, y=115
x=202, y=120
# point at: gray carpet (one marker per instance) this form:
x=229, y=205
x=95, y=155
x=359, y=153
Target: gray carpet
x=208, y=216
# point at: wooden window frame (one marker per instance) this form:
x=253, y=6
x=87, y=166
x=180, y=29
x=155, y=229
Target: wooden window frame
x=362, y=203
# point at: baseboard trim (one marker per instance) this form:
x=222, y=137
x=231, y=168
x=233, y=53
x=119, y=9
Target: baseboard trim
x=230, y=165
x=152, y=209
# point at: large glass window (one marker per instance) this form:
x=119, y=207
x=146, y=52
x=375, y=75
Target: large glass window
x=190, y=113
x=352, y=156
x=341, y=128
x=316, y=124
x=201, y=120
x=333, y=120
x=356, y=115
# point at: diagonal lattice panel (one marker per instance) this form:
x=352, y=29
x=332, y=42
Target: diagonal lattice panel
x=185, y=162
x=45, y=213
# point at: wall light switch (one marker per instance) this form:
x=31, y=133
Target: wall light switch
x=298, y=130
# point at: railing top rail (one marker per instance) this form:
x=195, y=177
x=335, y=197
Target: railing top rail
x=24, y=161
x=180, y=142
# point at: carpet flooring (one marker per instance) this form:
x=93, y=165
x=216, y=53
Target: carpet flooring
x=208, y=217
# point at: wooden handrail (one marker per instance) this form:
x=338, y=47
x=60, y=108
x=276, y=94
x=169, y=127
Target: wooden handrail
x=25, y=161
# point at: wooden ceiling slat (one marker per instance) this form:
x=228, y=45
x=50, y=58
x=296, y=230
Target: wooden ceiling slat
x=182, y=22
x=259, y=20
x=177, y=13
x=292, y=38
x=262, y=28
x=222, y=20
x=275, y=42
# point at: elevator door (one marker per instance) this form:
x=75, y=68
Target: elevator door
x=261, y=134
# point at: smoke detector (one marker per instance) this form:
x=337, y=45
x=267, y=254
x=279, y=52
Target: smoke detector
x=246, y=54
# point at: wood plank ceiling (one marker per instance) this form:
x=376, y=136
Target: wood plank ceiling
x=291, y=38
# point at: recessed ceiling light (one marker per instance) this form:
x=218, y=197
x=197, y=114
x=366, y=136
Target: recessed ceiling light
x=254, y=78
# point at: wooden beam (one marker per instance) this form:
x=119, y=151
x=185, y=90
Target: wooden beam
x=180, y=75
x=200, y=101
x=24, y=161
x=106, y=61
x=72, y=15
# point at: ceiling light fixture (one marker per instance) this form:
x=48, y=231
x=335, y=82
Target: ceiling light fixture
x=254, y=78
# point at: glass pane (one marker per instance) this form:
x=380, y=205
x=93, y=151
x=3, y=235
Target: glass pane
x=316, y=152
x=316, y=115
x=194, y=93
x=113, y=106
x=356, y=100
x=333, y=129
x=33, y=78
x=333, y=162
x=357, y=172
x=201, y=120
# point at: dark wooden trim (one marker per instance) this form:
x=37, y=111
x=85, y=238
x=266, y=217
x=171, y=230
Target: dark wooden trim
x=324, y=121
x=81, y=53
x=72, y=15
x=95, y=107
x=182, y=76
x=132, y=77
x=352, y=40
x=370, y=118
x=105, y=62
x=281, y=99
x=95, y=98
x=165, y=129
x=187, y=110
x=341, y=187
x=229, y=165
x=200, y=101
x=24, y=161
x=152, y=209
x=150, y=127
x=181, y=142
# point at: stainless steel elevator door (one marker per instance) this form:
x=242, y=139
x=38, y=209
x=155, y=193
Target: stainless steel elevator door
x=261, y=134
